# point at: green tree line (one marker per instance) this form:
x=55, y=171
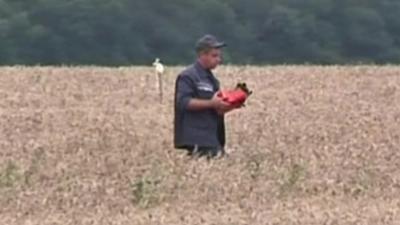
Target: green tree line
x=129, y=32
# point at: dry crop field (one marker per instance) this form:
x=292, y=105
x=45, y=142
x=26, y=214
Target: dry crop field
x=92, y=145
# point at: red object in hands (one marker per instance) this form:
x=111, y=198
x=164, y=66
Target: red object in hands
x=234, y=97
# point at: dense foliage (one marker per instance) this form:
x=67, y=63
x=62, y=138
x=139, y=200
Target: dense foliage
x=124, y=32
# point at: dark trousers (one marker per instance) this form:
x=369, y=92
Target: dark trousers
x=200, y=151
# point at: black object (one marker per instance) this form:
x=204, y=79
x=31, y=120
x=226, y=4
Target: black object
x=243, y=86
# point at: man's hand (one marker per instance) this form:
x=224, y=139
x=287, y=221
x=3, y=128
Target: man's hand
x=221, y=106
x=216, y=102
x=231, y=107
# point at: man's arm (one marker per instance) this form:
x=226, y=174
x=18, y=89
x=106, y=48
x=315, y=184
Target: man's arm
x=215, y=103
x=228, y=109
x=186, y=100
x=200, y=104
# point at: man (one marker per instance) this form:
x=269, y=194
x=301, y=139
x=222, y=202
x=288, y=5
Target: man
x=199, y=113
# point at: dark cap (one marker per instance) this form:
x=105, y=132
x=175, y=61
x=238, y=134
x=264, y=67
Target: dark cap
x=208, y=41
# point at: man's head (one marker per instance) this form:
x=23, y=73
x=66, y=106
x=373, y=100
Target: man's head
x=208, y=50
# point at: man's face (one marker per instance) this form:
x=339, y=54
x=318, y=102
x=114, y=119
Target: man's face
x=211, y=58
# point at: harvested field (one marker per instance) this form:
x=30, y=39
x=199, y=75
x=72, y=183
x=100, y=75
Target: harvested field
x=92, y=145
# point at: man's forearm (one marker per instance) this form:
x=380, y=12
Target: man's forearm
x=199, y=104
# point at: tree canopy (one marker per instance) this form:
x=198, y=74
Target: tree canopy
x=129, y=32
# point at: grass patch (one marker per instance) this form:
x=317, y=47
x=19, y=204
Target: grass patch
x=10, y=175
x=145, y=191
x=295, y=173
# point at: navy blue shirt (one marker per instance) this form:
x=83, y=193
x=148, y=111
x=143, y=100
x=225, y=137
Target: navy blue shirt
x=204, y=128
